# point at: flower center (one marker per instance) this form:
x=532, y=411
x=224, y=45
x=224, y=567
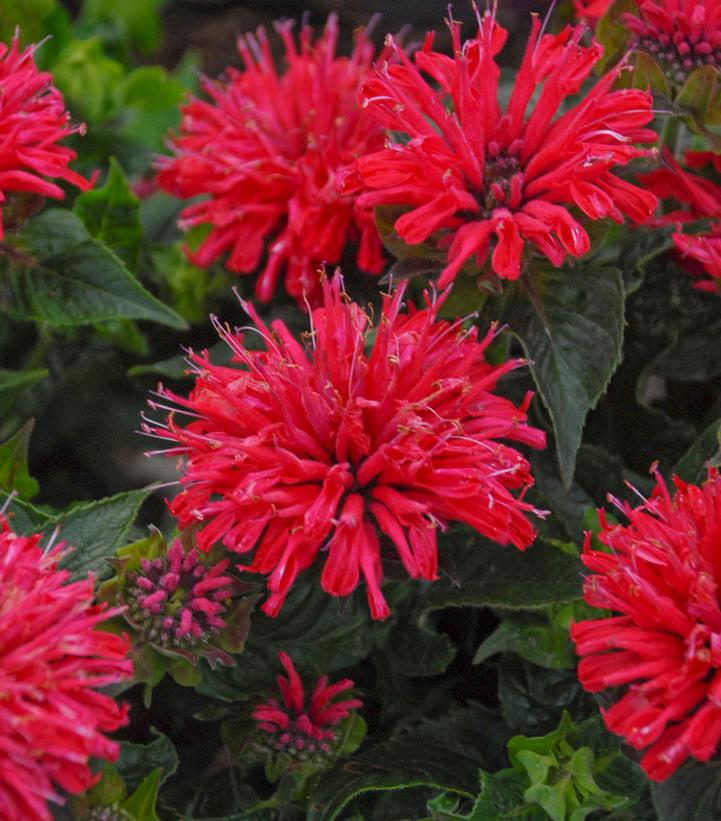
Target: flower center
x=503, y=178
x=176, y=601
x=678, y=57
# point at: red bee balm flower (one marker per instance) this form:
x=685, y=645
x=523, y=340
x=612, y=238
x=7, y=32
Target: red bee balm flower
x=591, y=10
x=298, y=730
x=701, y=254
x=473, y=172
x=52, y=659
x=33, y=120
x=267, y=150
x=321, y=447
x=662, y=575
x=681, y=35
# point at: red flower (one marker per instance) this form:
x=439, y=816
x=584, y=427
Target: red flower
x=322, y=447
x=701, y=255
x=700, y=197
x=52, y=659
x=33, y=120
x=267, y=150
x=662, y=576
x=472, y=172
x=591, y=10
x=292, y=727
x=681, y=35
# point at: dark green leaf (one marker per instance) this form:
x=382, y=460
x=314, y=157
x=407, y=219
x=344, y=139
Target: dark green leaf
x=484, y=574
x=444, y=754
x=691, y=467
x=94, y=529
x=74, y=282
x=14, y=464
x=534, y=698
x=417, y=651
x=318, y=632
x=112, y=215
x=534, y=638
x=693, y=793
x=137, y=760
x=570, y=323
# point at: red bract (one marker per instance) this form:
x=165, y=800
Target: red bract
x=325, y=447
x=591, y=10
x=699, y=197
x=681, y=35
x=267, y=150
x=296, y=728
x=473, y=172
x=662, y=576
x=701, y=254
x=52, y=659
x=33, y=120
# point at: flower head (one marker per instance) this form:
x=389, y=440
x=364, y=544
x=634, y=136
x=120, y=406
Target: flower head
x=475, y=174
x=52, y=660
x=33, y=120
x=323, y=447
x=177, y=602
x=681, y=35
x=663, y=648
x=267, y=150
x=301, y=730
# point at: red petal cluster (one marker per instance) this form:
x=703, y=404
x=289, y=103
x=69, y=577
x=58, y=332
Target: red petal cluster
x=294, y=728
x=267, y=150
x=52, y=659
x=33, y=120
x=392, y=429
x=681, y=35
x=473, y=172
x=664, y=649
x=699, y=198
x=591, y=11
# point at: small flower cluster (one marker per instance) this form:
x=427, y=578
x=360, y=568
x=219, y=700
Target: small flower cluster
x=176, y=601
x=303, y=731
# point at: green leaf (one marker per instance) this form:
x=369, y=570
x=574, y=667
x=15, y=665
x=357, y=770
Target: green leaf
x=691, y=467
x=612, y=34
x=141, y=804
x=570, y=323
x=74, y=282
x=444, y=754
x=112, y=215
x=417, y=651
x=318, y=632
x=542, y=643
x=701, y=94
x=89, y=79
x=94, y=529
x=13, y=383
x=534, y=698
x=151, y=88
x=27, y=16
x=692, y=793
x=482, y=574
x=136, y=760
x=138, y=23
x=14, y=473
